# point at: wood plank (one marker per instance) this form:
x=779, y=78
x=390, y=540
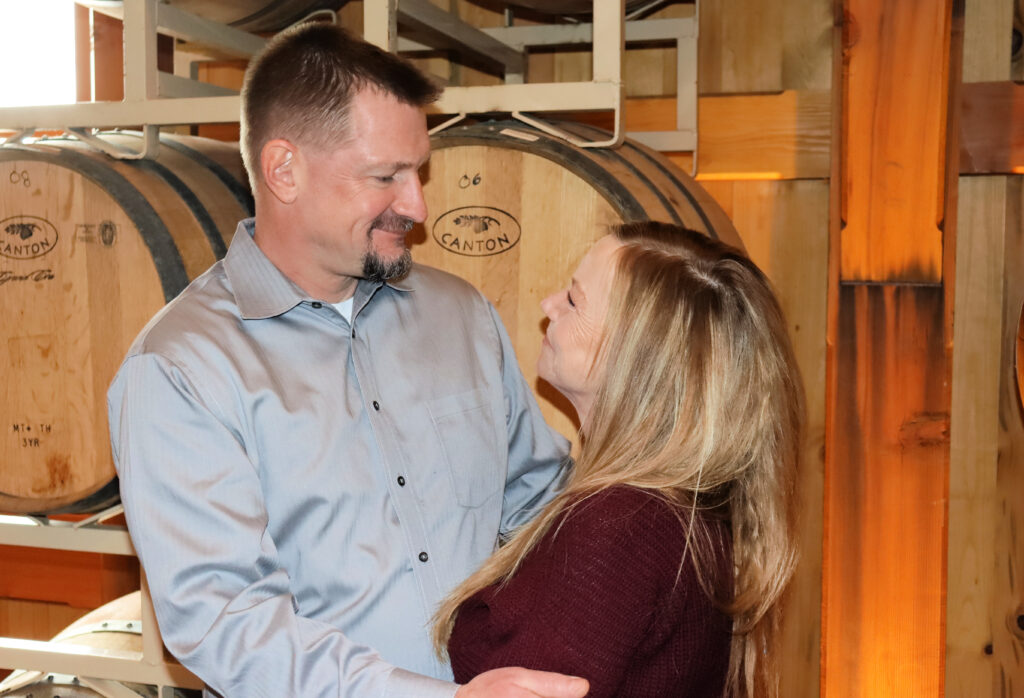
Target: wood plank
x=893, y=136
x=1017, y=66
x=83, y=580
x=808, y=31
x=108, y=58
x=741, y=46
x=974, y=435
x=784, y=226
x=1008, y=563
x=83, y=55
x=992, y=128
x=987, y=40
x=783, y=136
x=36, y=620
x=885, y=491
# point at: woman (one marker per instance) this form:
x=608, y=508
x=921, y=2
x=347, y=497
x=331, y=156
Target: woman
x=658, y=570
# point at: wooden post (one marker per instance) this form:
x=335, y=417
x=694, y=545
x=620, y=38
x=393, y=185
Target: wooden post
x=888, y=443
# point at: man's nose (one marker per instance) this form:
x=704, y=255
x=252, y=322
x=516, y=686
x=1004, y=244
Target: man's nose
x=410, y=202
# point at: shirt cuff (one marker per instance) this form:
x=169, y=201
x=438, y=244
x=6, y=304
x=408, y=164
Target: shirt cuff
x=406, y=684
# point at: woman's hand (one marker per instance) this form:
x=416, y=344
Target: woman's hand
x=516, y=682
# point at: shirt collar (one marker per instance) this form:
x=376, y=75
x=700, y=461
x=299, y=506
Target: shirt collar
x=262, y=291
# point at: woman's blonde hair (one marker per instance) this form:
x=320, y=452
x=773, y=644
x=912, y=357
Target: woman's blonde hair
x=700, y=402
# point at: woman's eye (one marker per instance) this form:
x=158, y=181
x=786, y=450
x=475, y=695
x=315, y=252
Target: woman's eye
x=568, y=297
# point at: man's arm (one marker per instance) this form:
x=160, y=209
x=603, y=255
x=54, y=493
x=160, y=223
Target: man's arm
x=197, y=518
x=538, y=457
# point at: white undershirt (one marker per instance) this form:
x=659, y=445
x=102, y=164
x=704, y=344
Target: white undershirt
x=345, y=308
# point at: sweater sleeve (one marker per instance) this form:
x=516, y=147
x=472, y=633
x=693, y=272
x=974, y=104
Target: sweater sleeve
x=585, y=599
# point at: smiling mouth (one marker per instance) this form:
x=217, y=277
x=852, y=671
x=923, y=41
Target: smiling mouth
x=389, y=222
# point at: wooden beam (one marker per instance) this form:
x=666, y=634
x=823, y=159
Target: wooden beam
x=888, y=431
x=992, y=128
x=894, y=134
x=740, y=137
x=885, y=490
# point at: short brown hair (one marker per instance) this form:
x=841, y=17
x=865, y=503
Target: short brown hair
x=301, y=85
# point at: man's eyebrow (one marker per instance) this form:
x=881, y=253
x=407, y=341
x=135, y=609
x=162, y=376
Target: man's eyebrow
x=403, y=165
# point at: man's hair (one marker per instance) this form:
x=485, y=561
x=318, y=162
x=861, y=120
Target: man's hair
x=300, y=87
x=699, y=402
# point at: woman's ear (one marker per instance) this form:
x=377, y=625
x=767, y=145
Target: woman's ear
x=278, y=167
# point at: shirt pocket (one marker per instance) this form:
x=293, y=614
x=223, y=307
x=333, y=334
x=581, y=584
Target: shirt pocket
x=465, y=426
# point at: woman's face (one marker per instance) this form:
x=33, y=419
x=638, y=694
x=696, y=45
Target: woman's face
x=569, y=351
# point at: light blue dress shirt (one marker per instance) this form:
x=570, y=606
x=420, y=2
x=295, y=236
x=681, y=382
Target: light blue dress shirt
x=303, y=491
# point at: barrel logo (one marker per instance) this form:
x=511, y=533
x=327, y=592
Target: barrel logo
x=26, y=237
x=476, y=231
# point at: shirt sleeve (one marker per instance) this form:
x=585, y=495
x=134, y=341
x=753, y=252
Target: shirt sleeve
x=583, y=601
x=538, y=456
x=196, y=514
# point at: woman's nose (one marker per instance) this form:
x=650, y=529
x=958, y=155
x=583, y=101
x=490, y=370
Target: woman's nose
x=549, y=305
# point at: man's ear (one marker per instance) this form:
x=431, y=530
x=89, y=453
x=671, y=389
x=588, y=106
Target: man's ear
x=278, y=167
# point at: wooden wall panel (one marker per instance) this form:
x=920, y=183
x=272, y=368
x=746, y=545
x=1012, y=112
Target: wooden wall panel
x=108, y=58
x=988, y=30
x=84, y=580
x=985, y=599
x=974, y=437
x=1007, y=613
x=777, y=136
x=36, y=620
x=784, y=226
x=750, y=145
x=741, y=46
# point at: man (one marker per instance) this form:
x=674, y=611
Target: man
x=317, y=440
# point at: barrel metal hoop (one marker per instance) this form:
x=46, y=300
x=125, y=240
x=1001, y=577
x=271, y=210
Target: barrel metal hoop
x=614, y=154
x=132, y=627
x=643, y=152
x=238, y=189
x=166, y=258
x=203, y=217
x=555, y=150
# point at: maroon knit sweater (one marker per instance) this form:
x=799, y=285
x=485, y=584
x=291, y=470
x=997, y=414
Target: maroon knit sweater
x=601, y=600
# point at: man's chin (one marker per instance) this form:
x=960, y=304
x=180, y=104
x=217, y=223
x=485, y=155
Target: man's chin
x=377, y=267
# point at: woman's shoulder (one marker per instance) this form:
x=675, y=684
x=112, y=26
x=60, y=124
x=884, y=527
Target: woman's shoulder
x=619, y=504
x=618, y=517
x=631, y=522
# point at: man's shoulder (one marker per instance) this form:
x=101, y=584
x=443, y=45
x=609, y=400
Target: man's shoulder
x=205, y=304
x=438, y=280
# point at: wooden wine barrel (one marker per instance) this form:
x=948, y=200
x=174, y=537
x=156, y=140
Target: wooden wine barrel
x=250, y=15
x=90, y=249
x=512, y=210
x=113, y=626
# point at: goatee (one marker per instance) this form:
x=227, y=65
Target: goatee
x=376, y=268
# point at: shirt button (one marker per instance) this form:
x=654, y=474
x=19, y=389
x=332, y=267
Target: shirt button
x=353, y=334
x=401, y=481
x=376, y=405
x=423, y=557
x=317, y=304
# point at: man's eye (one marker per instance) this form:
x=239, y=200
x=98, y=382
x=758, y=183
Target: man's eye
x=386, y=180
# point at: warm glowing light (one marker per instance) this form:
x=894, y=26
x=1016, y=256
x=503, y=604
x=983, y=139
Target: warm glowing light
x=1018, y=169
x=37, y=50
x=720, y=176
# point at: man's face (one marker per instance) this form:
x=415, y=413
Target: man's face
x=365, y=194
